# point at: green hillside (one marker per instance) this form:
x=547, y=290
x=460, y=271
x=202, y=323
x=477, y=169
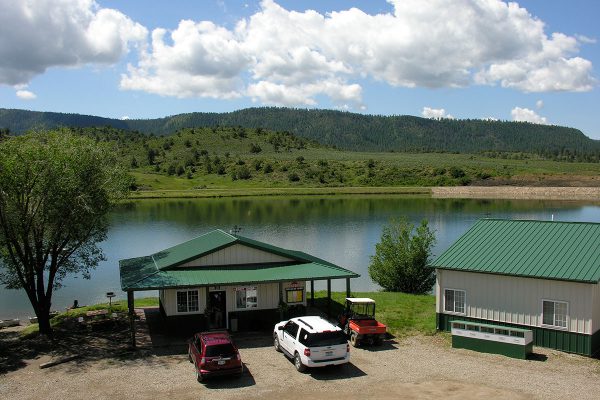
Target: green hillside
x=350, y=131
x=226, y=158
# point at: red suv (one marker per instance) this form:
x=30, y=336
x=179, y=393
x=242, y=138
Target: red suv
x=214, y=354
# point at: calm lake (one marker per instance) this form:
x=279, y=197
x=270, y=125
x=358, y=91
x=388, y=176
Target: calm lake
x=343, y=230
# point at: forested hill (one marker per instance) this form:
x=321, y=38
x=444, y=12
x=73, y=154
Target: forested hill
x=349, y=131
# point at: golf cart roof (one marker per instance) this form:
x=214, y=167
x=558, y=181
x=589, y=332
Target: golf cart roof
x=358, y=300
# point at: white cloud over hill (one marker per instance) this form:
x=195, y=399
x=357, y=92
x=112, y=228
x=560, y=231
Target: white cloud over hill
x=282, y=57
x=527, y=115
x=37, y=35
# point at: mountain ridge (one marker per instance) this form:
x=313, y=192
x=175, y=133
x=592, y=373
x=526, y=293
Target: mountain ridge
x=346, y=130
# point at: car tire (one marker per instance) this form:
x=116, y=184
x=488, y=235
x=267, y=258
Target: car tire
x=190, y=358
x=354, y=339
x=241, y=374
x=199, y=376
x=276, y=343
x=298, y=363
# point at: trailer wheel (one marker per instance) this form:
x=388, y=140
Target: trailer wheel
x=354, y=339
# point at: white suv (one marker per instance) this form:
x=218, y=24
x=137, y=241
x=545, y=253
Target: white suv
x=311, y=342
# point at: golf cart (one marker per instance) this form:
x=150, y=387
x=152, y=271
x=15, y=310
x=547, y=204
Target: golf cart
x=358, y=321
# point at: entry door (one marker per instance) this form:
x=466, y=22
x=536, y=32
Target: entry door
x=217, y=309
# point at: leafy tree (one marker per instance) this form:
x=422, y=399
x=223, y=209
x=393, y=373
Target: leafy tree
x=400, y=260
x=56, y=189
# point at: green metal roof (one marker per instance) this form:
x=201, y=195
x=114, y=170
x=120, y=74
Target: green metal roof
x=160, y=270
x=228, y=275
x=568, y=251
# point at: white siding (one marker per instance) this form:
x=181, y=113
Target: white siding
x=596, y=307
x=517, y=300
x=237, y=254
x=169, y=301
x=267, y=297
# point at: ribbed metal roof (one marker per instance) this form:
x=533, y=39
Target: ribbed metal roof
x=159, y=270
x=568, y=251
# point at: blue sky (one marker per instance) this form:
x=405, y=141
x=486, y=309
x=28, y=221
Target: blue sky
x=535, y=60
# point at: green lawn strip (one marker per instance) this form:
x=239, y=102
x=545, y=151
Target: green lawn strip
x=404, y=314
x=278, y=191
x=119, y=306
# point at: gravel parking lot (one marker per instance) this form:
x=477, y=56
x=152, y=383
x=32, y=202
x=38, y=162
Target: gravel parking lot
x=416, y=367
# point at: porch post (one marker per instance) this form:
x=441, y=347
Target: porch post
x=280, y=287
x=347, y=287
x=312, y=293
x=329, y=297
x=130, y=306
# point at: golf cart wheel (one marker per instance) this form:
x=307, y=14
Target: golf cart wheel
x=354, y=339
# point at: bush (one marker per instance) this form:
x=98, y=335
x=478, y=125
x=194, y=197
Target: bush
x=401, y=257
x=293, y=177
x=254, y=148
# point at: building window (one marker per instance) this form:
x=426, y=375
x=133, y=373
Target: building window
x=454, y=301
x=187, y=301
x=295, y=295
x=554, y=313
x=246, y=297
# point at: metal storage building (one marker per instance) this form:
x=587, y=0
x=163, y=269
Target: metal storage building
x=539, y=275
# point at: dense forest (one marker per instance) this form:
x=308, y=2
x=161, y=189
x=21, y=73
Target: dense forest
x=350, y=131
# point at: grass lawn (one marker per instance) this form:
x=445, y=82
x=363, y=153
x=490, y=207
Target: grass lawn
x=119, y=306
x=404, y=314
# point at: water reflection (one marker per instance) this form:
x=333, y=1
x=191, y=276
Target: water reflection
x=342, y=229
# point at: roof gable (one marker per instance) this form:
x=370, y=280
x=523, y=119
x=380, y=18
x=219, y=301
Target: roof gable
x=567, y=251
x=159, y=270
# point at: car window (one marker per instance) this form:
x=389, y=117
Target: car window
x=303, y=337
x=223, y=350
x=291, y=328
x=325, y=339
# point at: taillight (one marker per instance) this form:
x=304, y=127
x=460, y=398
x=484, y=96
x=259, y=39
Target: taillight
x=347, y=348
x=307, y=352
x=202, y=361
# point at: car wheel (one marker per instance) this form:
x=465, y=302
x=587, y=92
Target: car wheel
x=199, y=376
x=241, y=374
x=190, y=358
x=354, y=339
x=276, y=343
x=298, y=363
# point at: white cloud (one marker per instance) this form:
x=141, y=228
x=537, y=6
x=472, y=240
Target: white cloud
x=125, y=118
x=527, y=115
x=283, y=57
x=26, y=95
x=539, y=104
x=37, y=35
x=435, y=113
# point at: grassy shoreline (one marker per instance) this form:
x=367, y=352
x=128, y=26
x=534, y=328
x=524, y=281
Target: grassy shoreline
x=465, y=192
x=278, y=191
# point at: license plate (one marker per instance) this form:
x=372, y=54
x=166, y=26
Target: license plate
x=221, y=362
x=328, y=353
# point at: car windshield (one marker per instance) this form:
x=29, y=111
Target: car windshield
x=223, y=350
x=325, y=339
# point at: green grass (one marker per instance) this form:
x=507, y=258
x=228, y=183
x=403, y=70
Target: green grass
x=404, y=314
x=277, y=191
x=119, y=306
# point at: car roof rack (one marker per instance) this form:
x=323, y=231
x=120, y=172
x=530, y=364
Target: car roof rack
x=305, y=323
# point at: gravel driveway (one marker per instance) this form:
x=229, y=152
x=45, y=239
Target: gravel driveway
x=416, y=367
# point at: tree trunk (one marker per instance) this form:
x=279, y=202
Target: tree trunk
x=44, y=323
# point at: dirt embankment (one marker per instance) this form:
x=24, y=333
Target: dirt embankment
x=516, y=192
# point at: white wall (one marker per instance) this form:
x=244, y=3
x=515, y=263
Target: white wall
x=518, y=300
x=267, y=297
x=237, y=254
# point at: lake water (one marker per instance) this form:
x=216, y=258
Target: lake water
x=343, y=230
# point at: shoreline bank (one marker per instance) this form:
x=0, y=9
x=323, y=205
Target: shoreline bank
x=447, y=192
